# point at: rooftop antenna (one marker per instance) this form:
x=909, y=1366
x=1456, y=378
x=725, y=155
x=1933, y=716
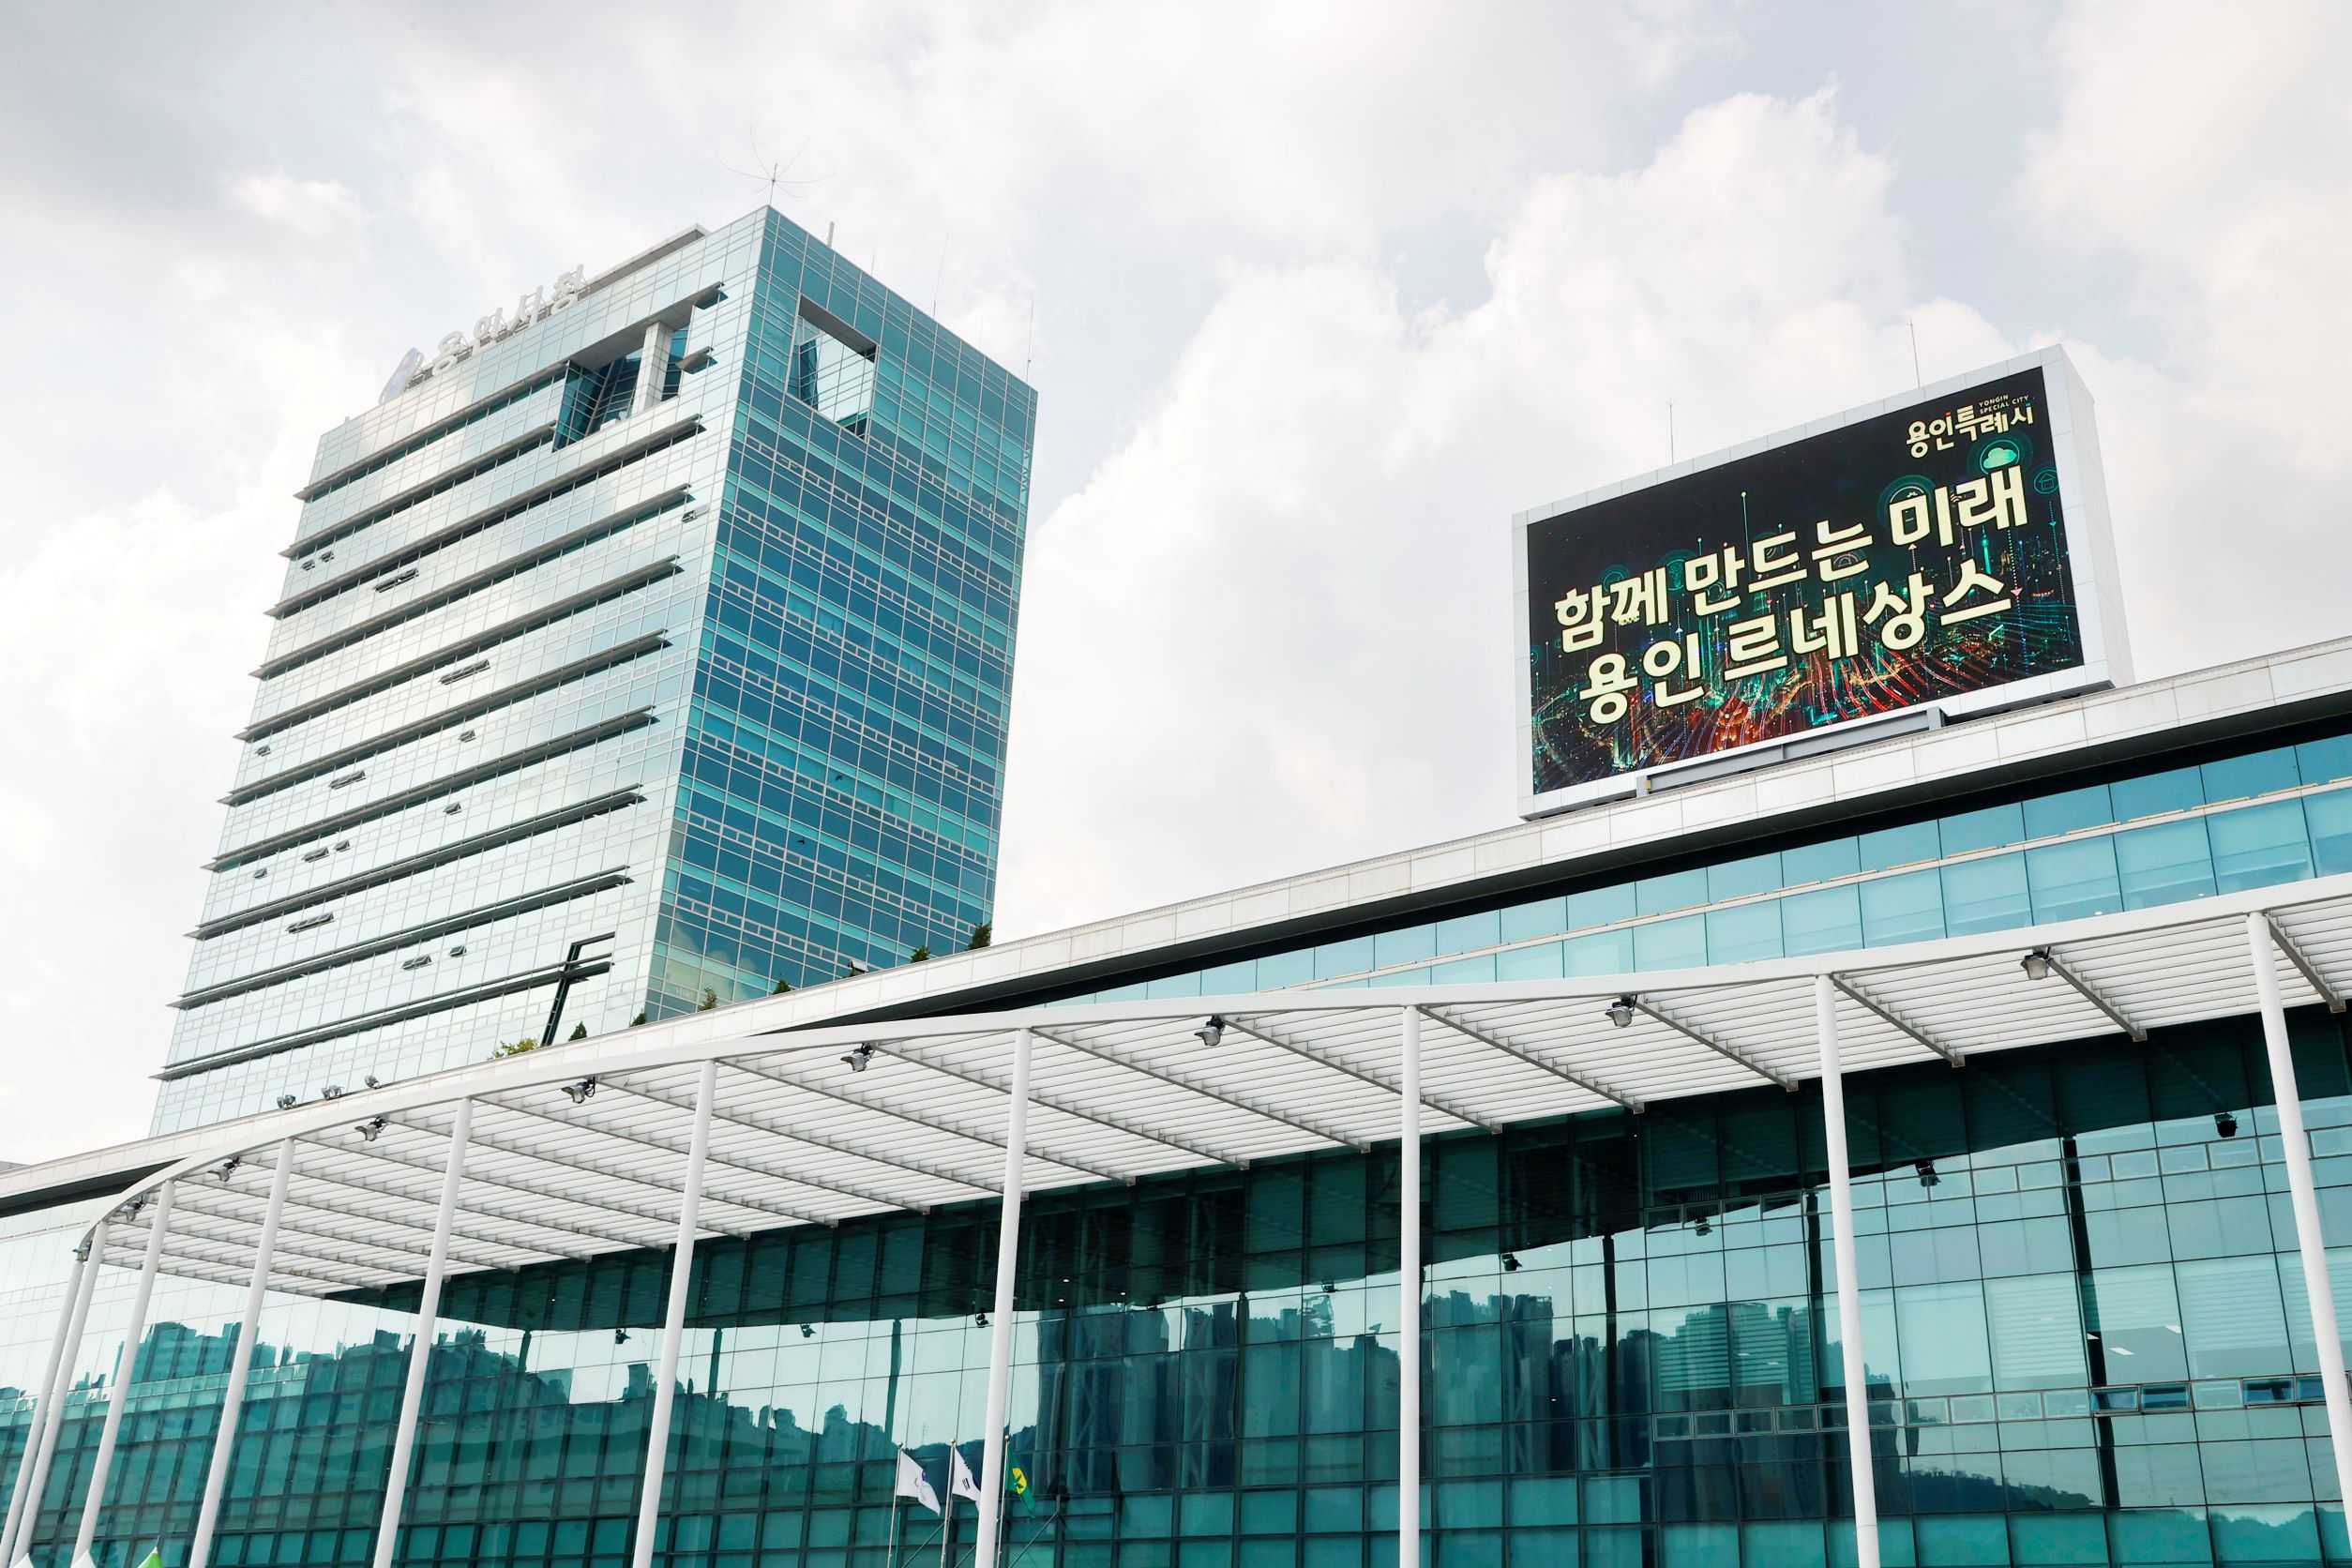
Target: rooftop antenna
x=775, y=175
x=1917, y=379
x=1029, y=345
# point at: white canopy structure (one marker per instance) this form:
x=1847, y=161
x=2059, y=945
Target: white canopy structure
x=656, y=1139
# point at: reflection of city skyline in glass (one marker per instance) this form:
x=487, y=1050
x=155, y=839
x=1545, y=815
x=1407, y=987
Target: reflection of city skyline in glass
x=1624, y=1325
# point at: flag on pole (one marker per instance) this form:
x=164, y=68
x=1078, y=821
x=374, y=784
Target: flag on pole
x=1017, y=1482
x=914, y=1484
x=153, y=1559
x=959, y=1481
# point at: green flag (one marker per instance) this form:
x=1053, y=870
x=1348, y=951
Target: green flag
x=154, y=1557
x=1017, y=1482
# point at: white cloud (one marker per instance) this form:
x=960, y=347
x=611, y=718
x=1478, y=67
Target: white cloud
x=127, y=628
x=1272, y=629
x=2225, y=230
x=1323, y=295
x=314, y=209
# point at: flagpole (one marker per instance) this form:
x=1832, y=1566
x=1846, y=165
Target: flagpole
x=890, y=1553
x=948, y=1517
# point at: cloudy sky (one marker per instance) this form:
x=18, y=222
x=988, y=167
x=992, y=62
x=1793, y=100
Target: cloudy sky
x=1321, y=292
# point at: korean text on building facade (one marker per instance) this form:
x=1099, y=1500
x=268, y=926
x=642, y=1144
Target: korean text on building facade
x=532, y=307
x=1911, y=556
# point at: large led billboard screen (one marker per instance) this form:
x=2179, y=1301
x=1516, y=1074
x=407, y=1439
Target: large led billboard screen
x=1907, y=556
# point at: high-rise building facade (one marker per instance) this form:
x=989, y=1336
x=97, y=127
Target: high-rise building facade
x=656, y=637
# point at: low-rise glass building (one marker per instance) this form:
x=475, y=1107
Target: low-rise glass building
x=1485, y=1197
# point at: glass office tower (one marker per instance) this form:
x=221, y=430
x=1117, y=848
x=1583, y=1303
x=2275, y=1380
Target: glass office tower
x=675, y=610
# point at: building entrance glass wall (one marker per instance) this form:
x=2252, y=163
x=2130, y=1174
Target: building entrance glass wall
x=2084, y=1327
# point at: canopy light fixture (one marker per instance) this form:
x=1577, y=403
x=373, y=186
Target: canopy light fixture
x=1510, y=1262
x=806, y=1331
x=332, y=1091
x=2225, y=1123
x=1621, y=1012
x=287, y=1102
x=373, y=1081
x=226, y=1168
x=979, y=1320
x=858, y=1059
x=371, y=1127
x=1927, y=1172
x=579, y=1092
x=2036, y=964
x=1211, y=1033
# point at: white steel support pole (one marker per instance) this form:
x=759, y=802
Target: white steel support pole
x=1408, y=1298
x=49, y=1374
x=224, y=1440
x=1849, y=1324
x=2301, y=1188
x=133, y=1332
x=673, y=1322
x=1008, y=1249
x=49, y=1421
x=420, y=1353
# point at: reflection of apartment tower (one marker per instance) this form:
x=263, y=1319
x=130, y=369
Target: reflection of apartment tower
x=677, y=611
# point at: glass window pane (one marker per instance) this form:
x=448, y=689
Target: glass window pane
x=2259, y=846
x=1993, y=827
x=2330, y=820
x=1676, y=890
x=1822, y=862
x=2262, y=772
x=1543, y=961
x=2231, y=1316
x=2178, y=790
x=2074, y=880
x=2037, y=1332
x=1229, y=979
x=1899, y=846
x=1403, y=977
x=1412, y=945
x=1672, y=943
x=1469, y=933
x=1278, y=969
x=1828, y=921
x=1902, y=909
x=1941, y=1328
x=1343, y=958
x=1544, y=917
x=1606, y=953
x=1739, y=935
x=2165, y=864
x=1480, y=967
x=2136, y=1314
x=1986, y=896
x=1738, y=878
x=1600, y=905
x=2068, y=811
x=1173, y=985
x=2323, y=761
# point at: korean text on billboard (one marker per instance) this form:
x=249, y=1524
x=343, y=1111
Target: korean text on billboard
x=1906, y=557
